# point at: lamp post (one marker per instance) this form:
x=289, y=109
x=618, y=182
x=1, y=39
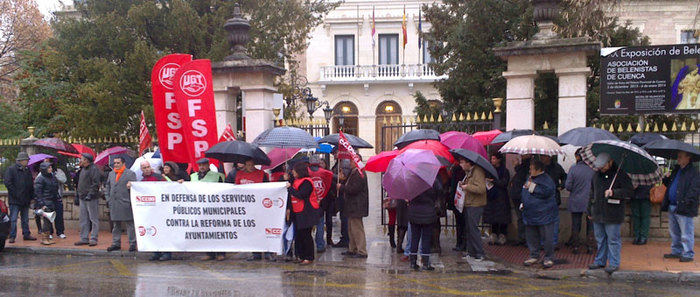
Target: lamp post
x=313, y=104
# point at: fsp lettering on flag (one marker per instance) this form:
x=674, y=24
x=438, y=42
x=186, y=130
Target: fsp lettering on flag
x=346, y=151
x=144, y=135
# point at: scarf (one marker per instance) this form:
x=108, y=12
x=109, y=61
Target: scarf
x=119, y=172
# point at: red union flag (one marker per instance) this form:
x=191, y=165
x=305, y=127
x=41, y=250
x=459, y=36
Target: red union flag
x=346, y=151
x=168, y=120
x=144, y=136
x=227, y=135
x=194, y=95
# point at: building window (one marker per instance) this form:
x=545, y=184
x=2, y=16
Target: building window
x=688, y=36
x=344, y=50
x=388, y=49
x=427, y=58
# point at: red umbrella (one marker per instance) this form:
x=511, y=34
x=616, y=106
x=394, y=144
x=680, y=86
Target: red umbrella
x=57, y=144
x=81, y=149
x=280, y=155
x=440, y=150
x=380, y=162
x=485, y=137
x=103, y=157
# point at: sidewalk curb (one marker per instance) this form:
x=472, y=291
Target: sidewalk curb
x=76, y=252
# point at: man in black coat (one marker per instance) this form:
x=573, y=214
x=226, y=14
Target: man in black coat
x=88, y=193
x=515, y=187
x=681, y=202
x=20, y=189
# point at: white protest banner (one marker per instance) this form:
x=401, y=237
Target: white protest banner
x=208, y=217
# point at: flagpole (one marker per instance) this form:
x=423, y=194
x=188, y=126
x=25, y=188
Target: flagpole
x=374, y=29
x=358, y=35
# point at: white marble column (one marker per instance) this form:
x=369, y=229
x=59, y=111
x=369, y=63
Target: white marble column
x=225, y=101
x=572, y=98
x=520, y=95
x=258, y=104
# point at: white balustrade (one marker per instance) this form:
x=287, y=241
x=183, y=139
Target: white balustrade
x=357, y=73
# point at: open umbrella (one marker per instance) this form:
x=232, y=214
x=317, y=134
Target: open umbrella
x=456, y=139
x=531, y=145
x=355, y=141
x=280, y=155
x=57, y=144
x=476, y=159
x=81, y=149
x=380, y=162
x=415, y=135
x=485, y=137
x=509, y=135
x=103, y=157
x=284, y=137
x=669, y=148
x=410, y=174
x=638, y=164
x=641, y=139
x=438, y=149
x=236, y=151
x=585, y=135
x=38, y=158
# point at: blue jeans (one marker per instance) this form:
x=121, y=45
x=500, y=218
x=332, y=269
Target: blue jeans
x=320, y=241
x=682, y=233
x=609, y=244
x=23, y=211
x=407, y=249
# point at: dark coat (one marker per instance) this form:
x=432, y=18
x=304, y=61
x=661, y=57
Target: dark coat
x=421, y=210
x=578, y=182
x=308, y=217
x=356, y=195
x=540, y=206
x=46, y=190
x=598, y=207
x=457, y=174
x=89, y=182
x=401, y=213
x=641, y=193
x=497, y=210
x=19, y=184
x=687, y=191
x=558, y=175
x=516, y=183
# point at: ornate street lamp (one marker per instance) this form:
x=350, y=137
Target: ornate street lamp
x=328, y=113
x=313, y=104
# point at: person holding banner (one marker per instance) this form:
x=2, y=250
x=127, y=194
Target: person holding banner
x=204, y=174
x=305, y=211
x=248, y=174
x=118, y=198
x=171, y=172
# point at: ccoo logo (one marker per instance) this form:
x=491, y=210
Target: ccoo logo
x=166, y=75
x=143, y=231
x=193, y=83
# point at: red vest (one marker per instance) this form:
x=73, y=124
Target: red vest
x=244, y=178
x=298, y=204
x=322, y=180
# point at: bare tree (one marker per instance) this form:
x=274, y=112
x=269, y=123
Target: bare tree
x=22, y=27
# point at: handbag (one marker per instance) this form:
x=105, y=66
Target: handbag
x=459, y=197
x=657, y=194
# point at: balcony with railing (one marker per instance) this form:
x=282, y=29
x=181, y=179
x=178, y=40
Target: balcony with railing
x=378, y=73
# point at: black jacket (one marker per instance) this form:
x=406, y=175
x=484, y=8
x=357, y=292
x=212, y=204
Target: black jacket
x=356, y=195
x=421, y=210
x=456, y=175
x=46, y=190
x=598, y=207
x=20, y=185
x=497, y=210
x=89, y=182
x=522, y=171
x=687, y=191
x=558, y=175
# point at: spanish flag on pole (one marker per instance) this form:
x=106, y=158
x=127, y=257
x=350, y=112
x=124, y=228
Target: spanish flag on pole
x=403, y=28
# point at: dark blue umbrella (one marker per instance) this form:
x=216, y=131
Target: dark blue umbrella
x=585, y=135
x=669, y=148
x=641, y=139
x=355, y=141
x=508, y=135
x=476, y=159
x=415, y=135
x=237, y=151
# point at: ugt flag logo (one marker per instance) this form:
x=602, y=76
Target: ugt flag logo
x=166, y=74
x=193, y=83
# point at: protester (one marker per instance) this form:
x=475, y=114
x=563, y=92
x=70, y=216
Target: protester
x=322, y=180
x=443, y=178
x=681, y=202
x=641, y=214
x=522, y=170
x=248, y=174
x=172, y=172
x=328, y=204
x=401, y=224
x=204, y=174
x=354, y=186
x=340, y=208
x=474, y=187
x=62, y=180
x=231, y=176
x=607, y=211
x=305, y=210
x=276, y=174
x=390, y=206
x=558, y=175
x=118, y=195
x=88, y=194
x=422, y=217
x=148, y=173
x=20, y=191
x=497, y=211
x=46, y=195
x=457, y=175
x=540, y=211
x=578, y=183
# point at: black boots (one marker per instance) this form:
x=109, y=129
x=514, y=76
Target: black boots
x=425, y=262
x=401, y=233
x=414, y=262
x=392, y=242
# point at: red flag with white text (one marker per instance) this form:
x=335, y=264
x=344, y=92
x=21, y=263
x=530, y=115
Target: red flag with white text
x=346, y=151
x=227, y=135
x=144, y=135
x=194, y=95
x=171, y=141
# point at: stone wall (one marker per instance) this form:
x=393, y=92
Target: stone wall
x=71, y=212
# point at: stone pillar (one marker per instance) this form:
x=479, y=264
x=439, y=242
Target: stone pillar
x=226, y=100
x=572, y=98
x=27, y=144
x=258, y=104
x=520, y=95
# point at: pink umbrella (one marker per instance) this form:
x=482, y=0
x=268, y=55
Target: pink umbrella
x=485, y=137
x=280, y=155
x=457, y=140
x=103, y=157
x=410, y=174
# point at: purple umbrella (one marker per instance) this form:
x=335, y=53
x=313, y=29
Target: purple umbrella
x=103, y=157
x=461, y=140
x=57, y=144
x=38, y=158
x=410, y=174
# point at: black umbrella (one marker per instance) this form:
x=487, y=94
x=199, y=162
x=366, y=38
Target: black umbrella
x=476, y=159
x=354, y=140
x=285, y=137
x=583, y=136
x=57, y=144
x=237, y=151
x=669, y=148
x=641, y=139
x=508, y=135
x=415, y=135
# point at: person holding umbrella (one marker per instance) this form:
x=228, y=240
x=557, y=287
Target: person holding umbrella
x=540, y=214
x=607, y=210
x=422, y=216
x=681, y=202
